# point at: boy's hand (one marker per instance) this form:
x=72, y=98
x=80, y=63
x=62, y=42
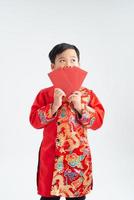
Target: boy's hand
x=75, y=98
x=58, y=94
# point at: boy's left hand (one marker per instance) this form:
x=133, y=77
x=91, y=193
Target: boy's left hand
x=75, y=98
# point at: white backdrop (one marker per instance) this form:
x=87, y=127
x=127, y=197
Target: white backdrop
x=103, y=30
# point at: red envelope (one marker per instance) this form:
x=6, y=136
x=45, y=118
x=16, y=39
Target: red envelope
x=68, y=79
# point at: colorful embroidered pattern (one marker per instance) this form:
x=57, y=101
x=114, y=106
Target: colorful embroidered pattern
x=72, y=175
x=46, y=116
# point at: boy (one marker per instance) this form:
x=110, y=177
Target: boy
x=65, y=165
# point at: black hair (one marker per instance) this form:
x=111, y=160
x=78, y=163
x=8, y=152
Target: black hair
x=59, y=48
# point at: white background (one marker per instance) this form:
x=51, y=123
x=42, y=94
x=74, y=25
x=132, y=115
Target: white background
x=103, y=30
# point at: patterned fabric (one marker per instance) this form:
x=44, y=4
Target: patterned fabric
x=46, y=117
x=68, y=171
x=73, y=168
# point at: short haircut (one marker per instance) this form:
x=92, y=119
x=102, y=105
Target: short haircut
x=59, y=48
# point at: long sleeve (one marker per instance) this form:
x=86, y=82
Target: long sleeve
x=92, y=120
x=40, y=114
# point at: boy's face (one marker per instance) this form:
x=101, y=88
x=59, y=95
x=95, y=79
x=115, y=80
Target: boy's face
x=67, y=58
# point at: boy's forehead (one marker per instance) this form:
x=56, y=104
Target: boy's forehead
x=68, y=52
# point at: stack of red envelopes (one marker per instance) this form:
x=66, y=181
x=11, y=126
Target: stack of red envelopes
x=69, y=79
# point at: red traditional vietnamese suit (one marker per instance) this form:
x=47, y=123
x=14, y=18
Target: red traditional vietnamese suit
x=65, y=165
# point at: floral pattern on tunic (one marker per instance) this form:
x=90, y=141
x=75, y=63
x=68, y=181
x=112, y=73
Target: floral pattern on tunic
x=72, y=175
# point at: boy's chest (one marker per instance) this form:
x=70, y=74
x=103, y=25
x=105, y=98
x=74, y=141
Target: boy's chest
x=67, y=112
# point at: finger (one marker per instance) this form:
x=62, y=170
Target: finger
x=59, y=91
x=70, y=98
x=73, y=96
x=77, y=93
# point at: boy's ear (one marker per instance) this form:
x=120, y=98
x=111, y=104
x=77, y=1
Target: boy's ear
x=52, y=66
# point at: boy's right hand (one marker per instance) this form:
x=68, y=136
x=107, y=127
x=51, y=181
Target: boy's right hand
x=58, y=94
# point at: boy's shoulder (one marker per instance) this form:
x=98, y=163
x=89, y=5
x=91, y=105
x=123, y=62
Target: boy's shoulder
x=46, y=91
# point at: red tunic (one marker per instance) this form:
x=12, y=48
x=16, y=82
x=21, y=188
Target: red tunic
x=65, y=164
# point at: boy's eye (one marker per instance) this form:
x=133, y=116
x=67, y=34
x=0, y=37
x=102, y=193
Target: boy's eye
x=73, y=60
x=62, y=60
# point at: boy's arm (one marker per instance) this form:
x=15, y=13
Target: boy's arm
x=41, y=112
x=91, y=116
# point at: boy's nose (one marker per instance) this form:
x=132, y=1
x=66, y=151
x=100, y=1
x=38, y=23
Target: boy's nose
x=68, y=64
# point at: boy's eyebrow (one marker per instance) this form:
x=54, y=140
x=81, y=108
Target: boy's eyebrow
x=62, y=57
